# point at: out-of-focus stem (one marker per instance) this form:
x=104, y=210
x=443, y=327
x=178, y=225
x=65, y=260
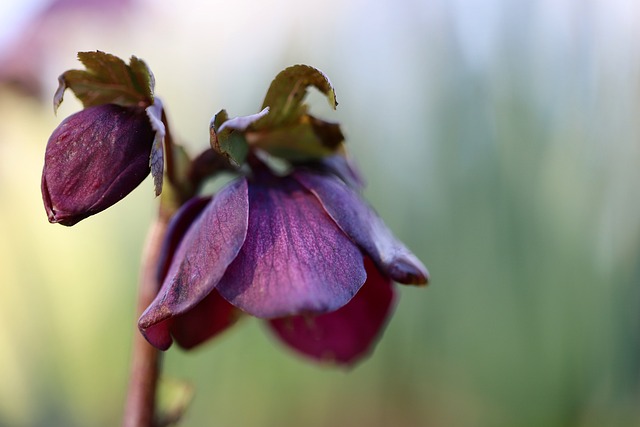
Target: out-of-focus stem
x=145, y=362
x=180, y=185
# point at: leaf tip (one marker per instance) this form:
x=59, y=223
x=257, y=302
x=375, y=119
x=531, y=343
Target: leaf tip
x=156, y=158
x=59, y=95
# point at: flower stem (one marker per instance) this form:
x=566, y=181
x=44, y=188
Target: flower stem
x=145, y=362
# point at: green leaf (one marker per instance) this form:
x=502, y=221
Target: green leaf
x=283, y=128
x=235, y=147
x=156, y=159
x=287, y=92
x=228, y=135
x=219, y=119
x=107, y=80
x=309, y=139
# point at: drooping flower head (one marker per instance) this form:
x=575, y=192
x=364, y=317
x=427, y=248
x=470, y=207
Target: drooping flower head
x=301, y=250
x=93, y=159
x=97, y=156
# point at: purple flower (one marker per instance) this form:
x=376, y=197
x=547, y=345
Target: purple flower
x=303, y=251
x=93, y=159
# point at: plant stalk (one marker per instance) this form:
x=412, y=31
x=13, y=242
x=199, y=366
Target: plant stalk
x=145, y=362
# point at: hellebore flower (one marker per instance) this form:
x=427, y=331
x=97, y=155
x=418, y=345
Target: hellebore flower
x=303, y=251
x=93, y=159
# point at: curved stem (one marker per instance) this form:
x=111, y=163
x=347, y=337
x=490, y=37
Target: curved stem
x=145, y=362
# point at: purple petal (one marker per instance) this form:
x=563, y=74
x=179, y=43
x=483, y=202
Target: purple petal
x=348, y=334
x=207, y=319
x=204, y=254
x=93, y=159
x=340, y=165
x=365, y=227
x=178, y=226
x=295, y=259
x=345, y=168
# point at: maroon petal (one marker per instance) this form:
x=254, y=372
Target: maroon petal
x=340, y=165
x=295, y=259
x=365, y=227
x=204, y=254
x=177, y=228
x=93, y=159
x=348, y=334
x=208, y=318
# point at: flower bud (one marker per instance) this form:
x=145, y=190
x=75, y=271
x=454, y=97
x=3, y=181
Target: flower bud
x=93, y=159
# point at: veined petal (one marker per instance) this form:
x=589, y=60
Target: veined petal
x=208, y=318
x=93, y=159
x=348, y=334
x=340, y=165
x=204, y=254
x=295, y=258
x=159, y=335
x=365, y=227
x=177, y=228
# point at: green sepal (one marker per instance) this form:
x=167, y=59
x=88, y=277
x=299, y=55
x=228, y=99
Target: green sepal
x=309, y=139
x=283, y=128
x=287, y=92
x=107, y=80
x=288, y=131
x=156, y=159
x=228, y=136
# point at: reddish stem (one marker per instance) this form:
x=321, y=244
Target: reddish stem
x=145, y=363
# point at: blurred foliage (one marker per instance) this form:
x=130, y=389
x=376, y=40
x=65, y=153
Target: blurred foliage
x=499, y=141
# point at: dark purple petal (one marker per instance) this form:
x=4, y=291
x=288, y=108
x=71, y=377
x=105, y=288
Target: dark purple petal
x=178, y=226
x=94, y=159
x=340, y=165
x=348, y=334
x=207, y=319
x=295, y=259
x=209, y=246
x=365, y=227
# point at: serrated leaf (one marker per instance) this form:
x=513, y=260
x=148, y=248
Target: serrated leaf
x=228, y=135
x=107, y=80
x=143, y=78
x=219, y=119
x=59, y=95
x=156, y=159
x=310, y=138
x=283, y=128
x=241, y=123
x=235, y=147
x=287, y=92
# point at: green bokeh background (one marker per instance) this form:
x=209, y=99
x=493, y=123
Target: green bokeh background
x=500, y=141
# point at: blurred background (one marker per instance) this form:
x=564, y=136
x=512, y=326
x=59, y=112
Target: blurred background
x=500, y=140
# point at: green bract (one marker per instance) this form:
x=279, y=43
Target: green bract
x=109, y=80
x=283, y=128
